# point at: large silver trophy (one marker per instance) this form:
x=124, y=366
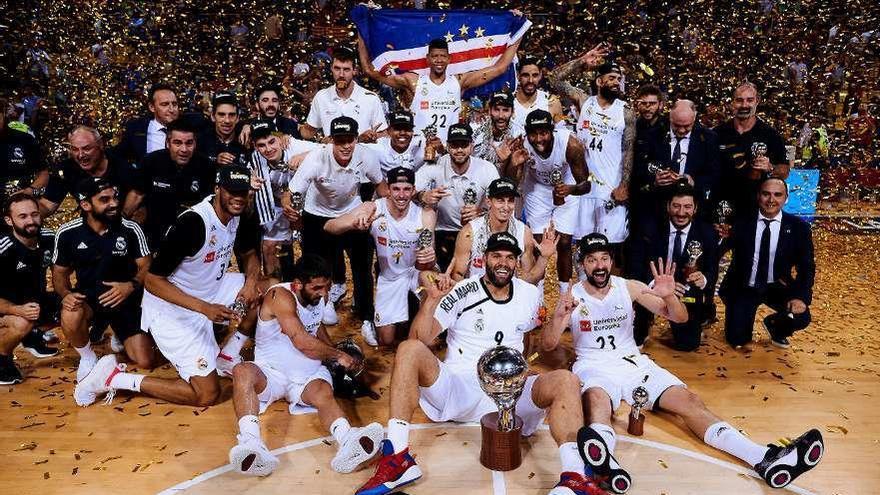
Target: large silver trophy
x=502, y=372
x=240, y=309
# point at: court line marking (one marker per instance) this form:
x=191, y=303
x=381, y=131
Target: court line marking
x=498, y=482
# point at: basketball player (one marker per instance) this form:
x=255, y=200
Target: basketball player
x=528, y=97
x=402, y=147
x=436, y=96
x=395, y=224
x=550, y=154
x=188, y=289
x=478, y=313
x=471, y=241
x=599, y=311
x=291, y=345
x=496, y=137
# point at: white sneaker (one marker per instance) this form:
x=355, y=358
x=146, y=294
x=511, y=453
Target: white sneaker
x=360, y=445
x=368, y=332
x=337, y=292
x=252, y=459
x=85, y=366
x=226, y=363
x=116, y=344
x=97, y=381
x=329, y=317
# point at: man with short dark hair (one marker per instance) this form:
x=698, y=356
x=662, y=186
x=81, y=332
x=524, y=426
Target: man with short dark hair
x=267, y=100
x=496, y=138
x=145, y=135
x=403, y=146
x=219, y=144
x=528, y=96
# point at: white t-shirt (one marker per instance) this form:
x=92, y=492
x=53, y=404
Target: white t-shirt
x=538, y=170
x=363, y=106
x=330, y=189
x=477, y=323
x=603, y=328
x=274, y=347
x=412, y=158
x=477, y=177
x=436, y=104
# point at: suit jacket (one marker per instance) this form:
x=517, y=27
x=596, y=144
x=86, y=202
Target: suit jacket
x=133, y=145
x=794, y=250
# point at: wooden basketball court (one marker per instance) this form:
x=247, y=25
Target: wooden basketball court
x=828, y=380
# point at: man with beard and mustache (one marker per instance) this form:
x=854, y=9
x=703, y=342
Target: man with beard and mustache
x=292, y=347
x=219, y=144
x=496, y=138
x=345, y=98
x=435, y=97
x=267, y=99
x=478, y=313
x=599, y=312
x=528, y=97
x=145, y=135
x=396, y=225
x=741, y=171
x=549, y=152
x=109, y=256
x=649, y=105
x=187, y=290
x=23, y=298
x=402, y=147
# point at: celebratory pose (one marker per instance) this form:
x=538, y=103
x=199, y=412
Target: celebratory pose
x=495, y=139
x=599, y=312
x=402, y=147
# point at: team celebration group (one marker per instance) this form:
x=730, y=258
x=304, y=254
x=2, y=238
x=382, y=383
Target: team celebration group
x=449, y=212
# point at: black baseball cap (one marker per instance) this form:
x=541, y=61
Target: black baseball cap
x=343, y=126
x=224, y=97
x=503, y=241
x=267, y=87
x=91, y=186
x=401, y=174
x=592, y=243
x=234, y=178
x=401, y=118
x=539, y=119
x=608, y=67
x=501, y=98
x=502, y=187
x=460, y=132
x=261, y=128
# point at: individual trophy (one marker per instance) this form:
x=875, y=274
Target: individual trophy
x=240, y=309
x=636, y=424
x=470, y=195
x=759, y=149
x=502, y=373
x=723, y=215
x=430, y=151
x=298, y=203
x=555, y=180
x=425, y=239
x=654, y=168
x=694, y=250
x=349, y=347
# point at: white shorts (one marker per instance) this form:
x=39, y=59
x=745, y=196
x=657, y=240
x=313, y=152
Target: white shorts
x=594, y=217
x=279, y=230
x=538, y=209
x=457, y=396
x=392, y=303
x=185, y=337
x=618, y=377
x=279, y=386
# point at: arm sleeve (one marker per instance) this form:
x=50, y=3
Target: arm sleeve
x=61, y=253
x=249, y=233
x=373, y=170
x=185, y=238
x=314, y=117
x=56, y=189
x=423, y=177
x=140, y=240
x=304, y=175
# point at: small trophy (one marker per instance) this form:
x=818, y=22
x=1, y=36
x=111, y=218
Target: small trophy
x=502, y=372
x=654, y=168
x=723, y=212
x=555, y=180
x=636, y=424
x=297, y=201
x=430, y=151
x=470, y=196
x=759, y=149
x=349, y=347
x=694, y=250
x=240, y=309
x=425, y=240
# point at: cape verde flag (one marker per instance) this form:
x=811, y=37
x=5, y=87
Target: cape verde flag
x=397, y=40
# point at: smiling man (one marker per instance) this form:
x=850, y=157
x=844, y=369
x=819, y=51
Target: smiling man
x=219, y=144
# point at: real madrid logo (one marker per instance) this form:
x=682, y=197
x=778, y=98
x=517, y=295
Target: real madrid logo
x=585, y=312
x=120, y=243
x=17, y=153
x=194, y=187
x=202, y=363
x=383, y=226
x=478, y=326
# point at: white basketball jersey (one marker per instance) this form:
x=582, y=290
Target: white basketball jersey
x=601, y=131
x=477, y=323
x=480, y=234
x=603, y=328
x=274, y=347
x=412, y=158
x=437, y=105
x=396, y=240
x=201, y=275
x=520, y=111
x=538, y=170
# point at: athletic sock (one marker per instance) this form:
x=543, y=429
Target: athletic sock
x=249, y=428
x=398, y=434
x=725, y=437
x=607, y=434
x=234, y=344
x=339, y=429
x=563, y=287
x=86, y=353
x=127, y=381
x=570, y=458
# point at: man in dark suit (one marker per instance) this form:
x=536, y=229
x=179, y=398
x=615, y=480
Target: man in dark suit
x=143, y=135
x=693, y=245
x=765, y=250
x=685, y=150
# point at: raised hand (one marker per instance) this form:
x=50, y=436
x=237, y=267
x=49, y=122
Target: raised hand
x=596, y=56
x=567, y=302
x=664, y=279
x=547, y=246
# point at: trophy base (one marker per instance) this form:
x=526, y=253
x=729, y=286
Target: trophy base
x=636, y=426
x=500, y=450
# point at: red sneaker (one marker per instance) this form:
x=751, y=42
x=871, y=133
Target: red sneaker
x=571, y=483
x=393, y=471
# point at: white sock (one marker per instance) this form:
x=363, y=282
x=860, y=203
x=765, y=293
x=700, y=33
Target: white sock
x=127, y=381
x=339, y=429
x=570, y=458
x=607, y=434
x=398, y=434
x=563, y=287
x=725, y=437
x=86, y=353
x=249, y=427
x=234, y=344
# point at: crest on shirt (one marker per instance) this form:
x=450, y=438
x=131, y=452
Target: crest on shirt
x=382, y=241
x=194, y=187
x=121, y=247
x=586, y=326
x=383, y=226
x=584, y=311
x=209, y=258
x=213, y=240
x=479, y=326
x=397, y=256
x=17, y=153
x=202, y=363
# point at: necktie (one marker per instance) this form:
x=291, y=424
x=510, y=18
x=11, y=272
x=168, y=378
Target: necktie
x=676, y=153
x=676, y=246
x=763, y=256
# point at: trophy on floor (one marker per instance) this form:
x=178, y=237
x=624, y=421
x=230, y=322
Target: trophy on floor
x=555, y=180
x=636, y=424
x=502, y=373
x=694, y=250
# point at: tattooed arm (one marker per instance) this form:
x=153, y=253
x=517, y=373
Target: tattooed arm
x=621, y=192
x=560, y=75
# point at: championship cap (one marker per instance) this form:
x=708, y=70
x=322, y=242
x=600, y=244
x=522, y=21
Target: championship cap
x=343, y=126
x=502, y=187
x=91, y=186
x=592, y=243
x=460, y=132
x=234, y=178
x=401, y=174
x=261, y=129
x=501, y=98
x=224, y=97
x=539, y=119
x=503, y=241
x=401, y=119
x=608, y=67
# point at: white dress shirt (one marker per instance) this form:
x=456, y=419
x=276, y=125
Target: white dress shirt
x=685, y=143
x=775, y=226
x=362, y=105
x=671, y=243
x=330, y=189
x=478, y=176
x=155, y=136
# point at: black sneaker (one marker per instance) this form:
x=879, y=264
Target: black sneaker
x=9, y=372
x=781, y=342
x=781, y=465
x=33, y=343
x=603, y=465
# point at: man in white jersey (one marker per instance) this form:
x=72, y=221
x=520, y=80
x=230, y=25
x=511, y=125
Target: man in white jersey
x=436, y=97
x=471, y=241
x=599, y=312
x=528, y=97
x=291, y=347
x=553, y=172
x=345, y=98
x=402, y=147
x=496, y=138
x=187, y=291
x=403, y=234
